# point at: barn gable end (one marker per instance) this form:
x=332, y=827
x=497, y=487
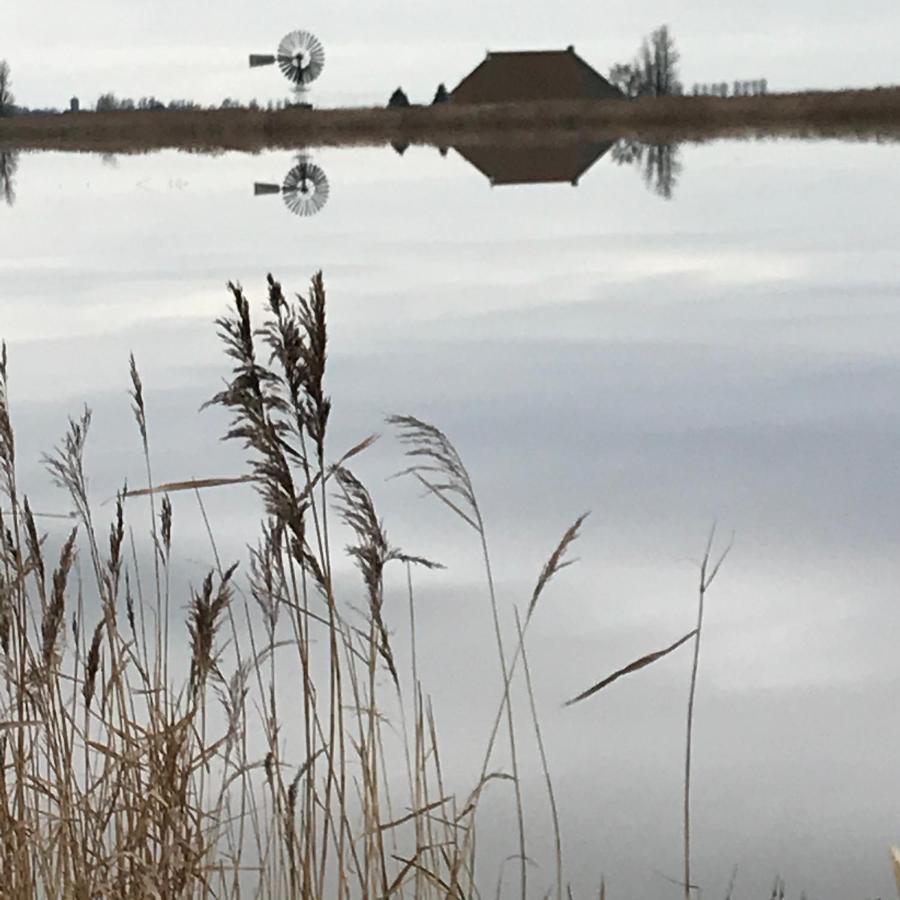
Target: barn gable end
x=524, y=76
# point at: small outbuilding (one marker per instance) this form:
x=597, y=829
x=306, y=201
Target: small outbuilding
x=533, y=75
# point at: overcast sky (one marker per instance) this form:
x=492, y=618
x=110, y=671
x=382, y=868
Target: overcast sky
x=184, y=48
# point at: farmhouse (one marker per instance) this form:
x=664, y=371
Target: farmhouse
x=533, y=75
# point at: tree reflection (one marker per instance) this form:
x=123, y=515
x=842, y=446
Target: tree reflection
x=660, y=164
x=9, y=162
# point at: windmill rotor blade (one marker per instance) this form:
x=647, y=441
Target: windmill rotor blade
x=260, y=188
x=260, y=59
x=301, y=57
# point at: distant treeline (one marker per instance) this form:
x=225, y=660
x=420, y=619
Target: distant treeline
x=738, y=89
x=111, y=103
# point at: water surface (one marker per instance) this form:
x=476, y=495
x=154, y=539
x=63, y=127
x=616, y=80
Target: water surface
x=731, y=355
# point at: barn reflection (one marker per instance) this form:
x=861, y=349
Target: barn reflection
x=527, y=163
x=531, y=162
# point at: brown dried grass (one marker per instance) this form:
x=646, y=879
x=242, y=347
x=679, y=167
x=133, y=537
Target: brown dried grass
x=129, y=769
x=143, y=750
x=857, y=114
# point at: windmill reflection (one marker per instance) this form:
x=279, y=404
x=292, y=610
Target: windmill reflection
x=304, y=189
x=528, y=163
x=9, y=163
x=660, y=164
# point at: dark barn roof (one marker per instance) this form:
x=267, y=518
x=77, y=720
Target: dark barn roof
x=531, y=164
x=533, y=75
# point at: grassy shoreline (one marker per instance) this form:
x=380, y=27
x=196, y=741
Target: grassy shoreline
x=872, y=114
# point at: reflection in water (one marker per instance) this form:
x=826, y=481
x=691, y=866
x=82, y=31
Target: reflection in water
x=568, y=162
x=9, y=162
x=533, y=164
x=304, y=189
x=659, y=163
x=741, y=378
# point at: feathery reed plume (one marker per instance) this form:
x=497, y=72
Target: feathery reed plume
x=441, y=469
x=51, y=624
x=264, y=577
x=556, y=562
x=254, y=396
x=92, y=666
x=298, y=340
x=631, y=667
x=190, y=484
x=372, y=553
x=165, y=525
x=205, y=618
x=116, y=538
x=129, y=605
x=137, y=396
x=66, y=464
x=6, y=614
x=33, y=543
x=7, y=439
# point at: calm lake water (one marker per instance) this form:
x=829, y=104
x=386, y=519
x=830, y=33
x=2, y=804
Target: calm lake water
x=731, y=354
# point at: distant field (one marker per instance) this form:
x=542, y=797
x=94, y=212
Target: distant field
x=866, y=115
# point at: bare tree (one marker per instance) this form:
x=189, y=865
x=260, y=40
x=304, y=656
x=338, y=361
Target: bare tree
x=6, y=95
x=627, y=78
x=653, y=72
x=665, y=63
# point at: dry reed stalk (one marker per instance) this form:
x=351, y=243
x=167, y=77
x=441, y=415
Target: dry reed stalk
x=439, y=468
x=545, y=766
x=708, y=573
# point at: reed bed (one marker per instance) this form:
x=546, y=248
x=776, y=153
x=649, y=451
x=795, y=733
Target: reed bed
x=145, y=747
x=856, y=114
x=143, y=750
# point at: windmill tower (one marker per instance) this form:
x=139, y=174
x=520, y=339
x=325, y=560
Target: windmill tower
x=301, y=58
